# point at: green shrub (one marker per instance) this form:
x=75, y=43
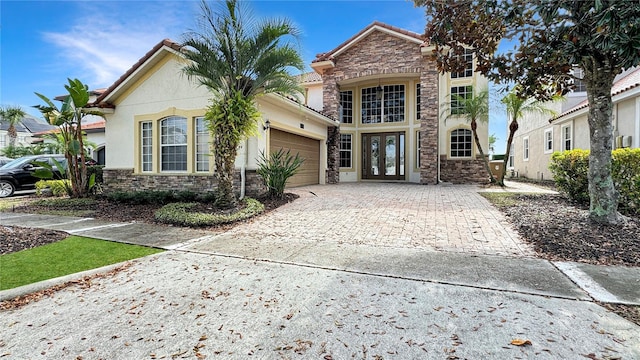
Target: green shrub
x=57, y=187
x=570, y=171
x=180, y=214
x=141, y=197
x=97, y=170
x=159, y=197
x=65, y=202
x=277, y=169
x=625, y=170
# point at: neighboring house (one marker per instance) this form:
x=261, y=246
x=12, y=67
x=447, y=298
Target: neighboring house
x=95, y=130
x=26, y=129
x=538, y=136
x=383, y=85
x=371, y=111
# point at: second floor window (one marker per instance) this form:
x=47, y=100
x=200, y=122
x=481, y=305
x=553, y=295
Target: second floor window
x=467, y=57
x=346, y=106
x=383, y=106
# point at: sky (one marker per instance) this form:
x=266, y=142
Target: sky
x=43, y=43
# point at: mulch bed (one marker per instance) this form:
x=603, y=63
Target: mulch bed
x=562, y=231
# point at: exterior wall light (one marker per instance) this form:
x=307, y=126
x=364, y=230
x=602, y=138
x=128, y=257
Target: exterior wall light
x=267, y=125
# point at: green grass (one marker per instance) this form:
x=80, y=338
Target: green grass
x=500, y=199
x=68, y=256
x=7, y=204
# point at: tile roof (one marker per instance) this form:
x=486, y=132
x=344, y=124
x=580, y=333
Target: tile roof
x=628, y=82
x=329, y=55
x=309, y=77
x=90, y=127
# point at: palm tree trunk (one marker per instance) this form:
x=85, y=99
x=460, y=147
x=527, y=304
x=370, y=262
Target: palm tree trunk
x=13, y=134
x=513, y=127
x=484, y=158
x=225, y=166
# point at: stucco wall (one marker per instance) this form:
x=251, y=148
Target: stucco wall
x=166, y=87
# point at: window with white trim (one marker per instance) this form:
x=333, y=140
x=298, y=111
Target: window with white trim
x=146, y=144
x=525, y=148
x=387, y=106
x=173, y=144
x=578, y=83
x=548, y=141
x=467, y=57
x=346, y=104
x=566, y=137
x=345, y=150
x=202, y=145
x=457, y=94
x=461, y=143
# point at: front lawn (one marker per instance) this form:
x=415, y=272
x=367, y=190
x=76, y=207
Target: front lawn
x=68, y=256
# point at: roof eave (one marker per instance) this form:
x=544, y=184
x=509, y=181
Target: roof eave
x=321, y=66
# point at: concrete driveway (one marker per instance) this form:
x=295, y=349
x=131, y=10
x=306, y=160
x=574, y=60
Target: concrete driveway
x=449, y=218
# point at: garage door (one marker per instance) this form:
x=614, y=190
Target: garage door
x=309, y=150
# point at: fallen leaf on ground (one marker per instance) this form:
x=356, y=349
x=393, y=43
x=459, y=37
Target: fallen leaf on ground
x=520, y=342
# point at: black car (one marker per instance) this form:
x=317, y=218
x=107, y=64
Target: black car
x=4, y=160
x=18, y=174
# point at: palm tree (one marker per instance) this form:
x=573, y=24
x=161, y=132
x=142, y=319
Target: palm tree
x=516, y=107
x=473, y=108
x=12, y=115
x=238, y=58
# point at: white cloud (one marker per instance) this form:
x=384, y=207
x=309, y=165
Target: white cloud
x=109, y=38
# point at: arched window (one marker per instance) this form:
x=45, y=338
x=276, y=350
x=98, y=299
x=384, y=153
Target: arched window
x=461, y=143
x=173, y=144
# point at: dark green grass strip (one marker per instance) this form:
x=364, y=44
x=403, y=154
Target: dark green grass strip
x=68, y=256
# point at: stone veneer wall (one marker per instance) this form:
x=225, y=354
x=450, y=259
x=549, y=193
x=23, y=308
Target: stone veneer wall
x=126, y=180
x=333, y=155
x=463, y=171
x=429, y=124
x=380, y=54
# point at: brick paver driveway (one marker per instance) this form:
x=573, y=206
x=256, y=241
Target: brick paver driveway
x=448, y=218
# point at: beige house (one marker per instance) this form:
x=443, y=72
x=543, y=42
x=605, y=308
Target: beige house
x=383, y=85
x=371, y=111
x=538, y=136
x=157, y=135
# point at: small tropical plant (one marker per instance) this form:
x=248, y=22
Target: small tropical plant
x=68, y=118
x=277, y=169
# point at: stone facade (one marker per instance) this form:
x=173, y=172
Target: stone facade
x=333, y=155
x=429, y=124
x=381, y=54
x=463, y=171
x=126, y=180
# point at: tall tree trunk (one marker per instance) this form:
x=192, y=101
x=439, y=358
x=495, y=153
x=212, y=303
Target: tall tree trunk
x=513, y=127
x=603, y=206
x=485, y=159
